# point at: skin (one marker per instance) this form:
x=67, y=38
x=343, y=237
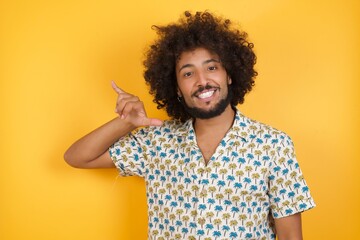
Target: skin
x=91, y=151
x=194, y=69
x=289, y=227
x=200, y=68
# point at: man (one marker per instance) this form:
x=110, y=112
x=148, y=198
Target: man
x=210, y=172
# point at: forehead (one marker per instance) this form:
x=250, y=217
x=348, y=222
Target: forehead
x=195, y=56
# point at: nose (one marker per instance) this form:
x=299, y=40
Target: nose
x=201, y=79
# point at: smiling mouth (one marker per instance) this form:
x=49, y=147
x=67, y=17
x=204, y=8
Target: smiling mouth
x=206, y=94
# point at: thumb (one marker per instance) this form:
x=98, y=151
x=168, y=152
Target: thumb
x=152, y=122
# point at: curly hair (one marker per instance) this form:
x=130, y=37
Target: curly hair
x=201, y=29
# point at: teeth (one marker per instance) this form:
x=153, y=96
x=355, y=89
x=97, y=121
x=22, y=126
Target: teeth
x=206, y=94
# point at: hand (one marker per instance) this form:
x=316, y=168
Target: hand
x=131, y=109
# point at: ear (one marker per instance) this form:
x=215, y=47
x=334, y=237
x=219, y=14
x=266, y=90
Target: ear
x=178, y=92
x=229, y=81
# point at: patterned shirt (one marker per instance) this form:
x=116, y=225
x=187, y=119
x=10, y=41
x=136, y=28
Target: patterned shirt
x=252, y=177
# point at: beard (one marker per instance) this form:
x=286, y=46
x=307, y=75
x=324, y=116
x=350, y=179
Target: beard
x=218, y=109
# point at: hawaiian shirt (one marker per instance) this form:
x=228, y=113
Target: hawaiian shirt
x=252, y=177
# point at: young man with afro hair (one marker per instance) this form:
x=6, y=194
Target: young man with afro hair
x=210, y=172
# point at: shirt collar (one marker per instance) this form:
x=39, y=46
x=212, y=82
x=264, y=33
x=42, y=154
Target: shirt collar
x=240, y=127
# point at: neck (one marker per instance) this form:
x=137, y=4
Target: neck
x=223, y=122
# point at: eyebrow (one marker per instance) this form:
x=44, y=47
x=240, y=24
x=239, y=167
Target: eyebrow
x=205, y=62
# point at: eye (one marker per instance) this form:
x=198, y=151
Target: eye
x=187, y=74
x=212, y=68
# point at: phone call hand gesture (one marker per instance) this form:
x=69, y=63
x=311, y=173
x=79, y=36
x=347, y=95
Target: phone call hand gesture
x=131, y=109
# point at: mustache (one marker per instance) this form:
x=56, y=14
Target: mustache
x=202, y=88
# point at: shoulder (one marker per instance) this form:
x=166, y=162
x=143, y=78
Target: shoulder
x=259, y=130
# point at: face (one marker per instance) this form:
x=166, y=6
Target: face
x=202, y=83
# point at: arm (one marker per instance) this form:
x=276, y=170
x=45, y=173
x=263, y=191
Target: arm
x=91, y=150
x=289, y=228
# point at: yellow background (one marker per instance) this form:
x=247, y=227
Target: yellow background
x=56, y=62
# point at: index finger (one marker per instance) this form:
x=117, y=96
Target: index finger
x=116, y=88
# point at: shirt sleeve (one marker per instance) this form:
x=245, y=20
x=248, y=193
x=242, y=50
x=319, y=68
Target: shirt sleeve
x=129, y=153
x=288, y=191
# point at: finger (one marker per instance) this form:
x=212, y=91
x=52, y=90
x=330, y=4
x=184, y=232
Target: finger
x=123, y=101
x=129, y=107
x=139, y=107
x=125, y=97
x=116, y=88
x=152, y=122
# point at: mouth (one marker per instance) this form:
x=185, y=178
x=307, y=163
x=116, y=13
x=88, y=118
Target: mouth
x=206, y=94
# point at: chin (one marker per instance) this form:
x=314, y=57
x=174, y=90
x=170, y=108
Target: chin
x=215, y=111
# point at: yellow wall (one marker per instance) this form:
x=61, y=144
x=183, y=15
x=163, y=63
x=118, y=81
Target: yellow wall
x=56, y=62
